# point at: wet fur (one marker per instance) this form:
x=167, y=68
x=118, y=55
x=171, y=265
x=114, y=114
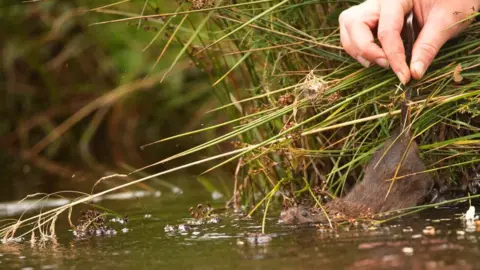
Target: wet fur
x=405, y=192
x=368, y=196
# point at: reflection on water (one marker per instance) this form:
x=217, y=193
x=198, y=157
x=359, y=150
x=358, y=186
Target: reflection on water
x=45, y=202
x=435, y=239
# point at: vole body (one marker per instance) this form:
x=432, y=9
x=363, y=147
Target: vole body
x=369, y=196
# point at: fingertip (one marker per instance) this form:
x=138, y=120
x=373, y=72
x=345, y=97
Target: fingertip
x=401, y=77
x=408, y=76
x=364, y=62
x=367, y=51
x=424, y=52
x=418, y=70
x=430, y=40
x=400, y=67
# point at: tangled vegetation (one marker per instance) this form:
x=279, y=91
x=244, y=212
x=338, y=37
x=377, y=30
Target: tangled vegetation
x=304, y=117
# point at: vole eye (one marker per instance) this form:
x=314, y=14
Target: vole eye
x=305, y=214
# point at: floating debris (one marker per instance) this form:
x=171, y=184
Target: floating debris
x=429, y=230
x=470, y=219
x=178, y=228
x=169, y=228
x=184, y=228
x=94, y=223
x=119, y=220
x=203, y=215
x=470, y=214
x=214, y=220
x=408, y=251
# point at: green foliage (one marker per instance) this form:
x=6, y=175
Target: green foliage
x=306, y=110
x=303, y=116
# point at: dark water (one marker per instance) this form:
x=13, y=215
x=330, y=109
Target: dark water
x=236, y=244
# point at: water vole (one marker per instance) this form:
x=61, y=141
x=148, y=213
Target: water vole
x=369, y=196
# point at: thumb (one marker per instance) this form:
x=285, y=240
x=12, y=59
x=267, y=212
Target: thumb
x=432, y=37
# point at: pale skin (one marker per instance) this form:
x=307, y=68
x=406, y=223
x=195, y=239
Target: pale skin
x=438, y=20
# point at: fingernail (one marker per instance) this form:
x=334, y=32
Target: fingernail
x=363, y=61
x=383, y=62
x=401, y=77
x=419, y=68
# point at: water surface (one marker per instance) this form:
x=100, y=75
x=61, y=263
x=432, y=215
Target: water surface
x=234, y=243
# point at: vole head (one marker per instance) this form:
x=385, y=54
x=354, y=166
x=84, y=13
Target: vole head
x=297, y=215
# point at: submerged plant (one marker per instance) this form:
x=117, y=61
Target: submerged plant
x=92, y=222
x=302, y=114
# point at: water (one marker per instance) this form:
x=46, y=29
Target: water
x=234, y=243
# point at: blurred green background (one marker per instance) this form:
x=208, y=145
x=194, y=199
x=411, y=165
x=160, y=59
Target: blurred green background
x=54, y=63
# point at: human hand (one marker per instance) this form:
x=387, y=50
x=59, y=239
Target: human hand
x=437, y=18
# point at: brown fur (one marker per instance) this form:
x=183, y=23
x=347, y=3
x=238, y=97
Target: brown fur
x=369, y=196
